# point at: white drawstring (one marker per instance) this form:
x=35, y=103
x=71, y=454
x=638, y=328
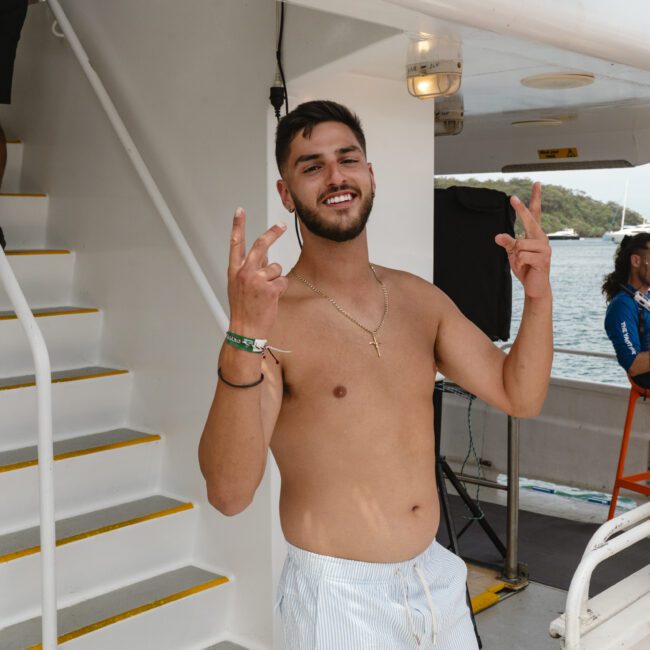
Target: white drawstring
x=432, y=608
x=408, y=608
x=434, y=617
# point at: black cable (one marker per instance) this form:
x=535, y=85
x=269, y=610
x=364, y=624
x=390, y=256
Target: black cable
x=471, y=448
x=280, y=94
x=295, y=221
x=278, y=58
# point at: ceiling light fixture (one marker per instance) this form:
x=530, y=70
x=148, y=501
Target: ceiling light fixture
x=433, y=67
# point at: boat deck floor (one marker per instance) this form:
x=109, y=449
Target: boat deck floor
x=521, y=621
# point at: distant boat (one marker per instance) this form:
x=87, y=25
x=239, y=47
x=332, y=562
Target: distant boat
x=567, y=233
x=617, y=235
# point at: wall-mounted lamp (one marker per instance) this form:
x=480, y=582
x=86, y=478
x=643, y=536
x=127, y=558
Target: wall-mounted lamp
x=433, y=67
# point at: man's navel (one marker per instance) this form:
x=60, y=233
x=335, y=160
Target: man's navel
x=340, y=391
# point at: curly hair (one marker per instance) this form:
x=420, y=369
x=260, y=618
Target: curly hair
x=629, y=246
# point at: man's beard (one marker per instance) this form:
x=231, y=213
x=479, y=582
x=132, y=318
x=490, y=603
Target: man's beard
x=334, y=232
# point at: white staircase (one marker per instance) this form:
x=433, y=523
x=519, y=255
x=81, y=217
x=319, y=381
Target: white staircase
x=125, y=577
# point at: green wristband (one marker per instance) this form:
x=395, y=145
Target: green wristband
x=257, y=346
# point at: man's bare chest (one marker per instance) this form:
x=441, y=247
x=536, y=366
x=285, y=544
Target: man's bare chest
x=336, y=358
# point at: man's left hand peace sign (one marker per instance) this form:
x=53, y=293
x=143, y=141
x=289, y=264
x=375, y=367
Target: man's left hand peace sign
x=530, y=256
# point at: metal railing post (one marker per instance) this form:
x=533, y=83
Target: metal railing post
x=511, y=565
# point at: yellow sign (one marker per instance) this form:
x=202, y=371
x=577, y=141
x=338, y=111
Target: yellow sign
x=546, y=154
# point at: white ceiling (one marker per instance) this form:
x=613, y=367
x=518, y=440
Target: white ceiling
x=493, y=66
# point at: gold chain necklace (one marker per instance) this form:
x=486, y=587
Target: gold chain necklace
x=372, y=333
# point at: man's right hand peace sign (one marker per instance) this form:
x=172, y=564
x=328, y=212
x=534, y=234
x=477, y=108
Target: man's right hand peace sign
x=254, y=285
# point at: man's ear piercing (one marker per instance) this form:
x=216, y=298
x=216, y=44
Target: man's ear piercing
x=291, y=210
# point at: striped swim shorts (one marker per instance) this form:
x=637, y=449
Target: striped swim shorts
x=329, y=603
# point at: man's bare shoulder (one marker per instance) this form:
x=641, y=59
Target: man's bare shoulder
x=415, y=285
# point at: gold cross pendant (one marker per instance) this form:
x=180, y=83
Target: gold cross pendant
x=376, y=343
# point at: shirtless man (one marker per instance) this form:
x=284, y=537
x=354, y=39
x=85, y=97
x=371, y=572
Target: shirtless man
x=348, y=413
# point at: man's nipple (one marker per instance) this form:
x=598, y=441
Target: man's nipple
x=340, y=391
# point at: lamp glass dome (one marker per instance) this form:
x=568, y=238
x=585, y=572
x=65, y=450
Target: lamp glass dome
x=434, y=67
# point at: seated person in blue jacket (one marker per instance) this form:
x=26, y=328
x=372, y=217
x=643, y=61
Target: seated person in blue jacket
x=627, y=323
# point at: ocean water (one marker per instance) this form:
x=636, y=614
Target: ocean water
x=577, y=270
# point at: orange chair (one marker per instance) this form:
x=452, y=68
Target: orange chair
x=632, y=482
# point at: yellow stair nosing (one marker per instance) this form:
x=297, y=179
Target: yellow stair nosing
x=98, y=531
x=83, y=452
x=62, y=312
x=62, y=380
x=37, y=251
x=26, y=194
x=135, y=611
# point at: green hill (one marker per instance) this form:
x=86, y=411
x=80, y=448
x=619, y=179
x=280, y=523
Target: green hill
x=561, y=207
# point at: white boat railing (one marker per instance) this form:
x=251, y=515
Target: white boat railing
x=611, y=538
x=580, y=353
x=140, y=166
x=45, y=450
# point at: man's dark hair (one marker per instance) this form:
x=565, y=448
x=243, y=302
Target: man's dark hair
x=305, y=117
x=622, y=265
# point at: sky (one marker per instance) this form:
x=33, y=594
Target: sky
x=601, y=184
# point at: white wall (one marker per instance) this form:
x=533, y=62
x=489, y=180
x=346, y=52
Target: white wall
x=399, y=136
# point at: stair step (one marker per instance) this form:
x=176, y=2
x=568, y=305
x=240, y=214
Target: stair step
x=24, y=220
x=78, y=408
x=58, y=376
x=14, y=459
x=42, y=312
x=44, y=276
x=94, y=455
x=99, y=612
x=104, y=548
x=11, y=179
x=26, y=542
x=72, y=336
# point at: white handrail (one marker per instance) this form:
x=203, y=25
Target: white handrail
x=45, y=451
x=636, y=526
x=140, y=167
x=617, y=525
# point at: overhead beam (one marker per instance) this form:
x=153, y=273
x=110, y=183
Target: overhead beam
x=592, y=28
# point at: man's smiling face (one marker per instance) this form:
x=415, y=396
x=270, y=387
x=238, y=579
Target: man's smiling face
x=329, y=183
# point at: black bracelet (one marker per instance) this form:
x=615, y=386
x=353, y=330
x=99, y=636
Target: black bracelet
x=225, y=381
